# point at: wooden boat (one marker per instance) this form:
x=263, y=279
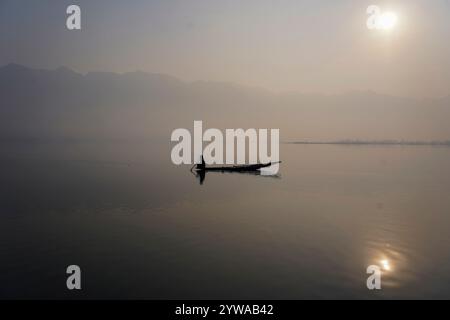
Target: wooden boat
x=201, y=169
x=242, y=168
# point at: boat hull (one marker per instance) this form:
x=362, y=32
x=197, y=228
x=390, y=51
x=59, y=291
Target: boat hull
x=243, y=168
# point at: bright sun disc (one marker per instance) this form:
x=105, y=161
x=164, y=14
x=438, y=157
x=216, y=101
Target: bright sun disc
x=387, y=20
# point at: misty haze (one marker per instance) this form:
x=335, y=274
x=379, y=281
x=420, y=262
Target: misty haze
x=85, y=155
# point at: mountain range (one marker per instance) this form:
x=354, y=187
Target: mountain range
x=62, y=104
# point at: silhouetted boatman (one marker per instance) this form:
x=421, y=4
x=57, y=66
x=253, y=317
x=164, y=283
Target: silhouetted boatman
x=202, y=165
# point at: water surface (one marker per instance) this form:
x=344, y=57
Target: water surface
x=140, y=227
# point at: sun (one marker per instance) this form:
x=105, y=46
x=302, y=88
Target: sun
x=387, y=20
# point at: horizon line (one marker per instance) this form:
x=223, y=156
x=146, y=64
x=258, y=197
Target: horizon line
x=384, y=142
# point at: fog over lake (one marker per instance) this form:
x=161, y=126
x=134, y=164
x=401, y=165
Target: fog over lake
x=87, y=179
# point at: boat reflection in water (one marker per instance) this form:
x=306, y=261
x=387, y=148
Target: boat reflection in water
x=200, y=170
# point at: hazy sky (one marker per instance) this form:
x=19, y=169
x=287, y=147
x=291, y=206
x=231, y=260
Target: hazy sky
x=307, y=46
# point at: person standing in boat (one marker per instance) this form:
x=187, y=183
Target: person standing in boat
x=202, y=165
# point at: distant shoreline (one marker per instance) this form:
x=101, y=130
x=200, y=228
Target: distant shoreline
x=375, y=142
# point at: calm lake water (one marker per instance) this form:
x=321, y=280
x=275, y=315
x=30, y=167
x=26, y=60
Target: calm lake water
x=140, y=227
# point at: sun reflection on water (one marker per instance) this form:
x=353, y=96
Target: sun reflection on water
x=385, y=265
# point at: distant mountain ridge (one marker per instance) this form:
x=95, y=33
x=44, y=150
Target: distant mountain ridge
x=64, y=104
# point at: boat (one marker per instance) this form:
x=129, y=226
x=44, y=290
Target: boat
x=201, y=169
x=241, y=168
